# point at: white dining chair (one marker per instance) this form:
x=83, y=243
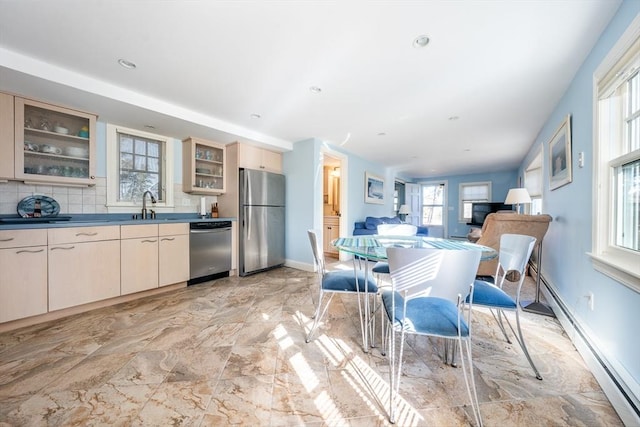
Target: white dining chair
x=339, y=281
x=428, y=297
x=515, y=250
x=381, y=268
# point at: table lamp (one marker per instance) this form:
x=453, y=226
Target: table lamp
x=515, y=196
x=403, y=212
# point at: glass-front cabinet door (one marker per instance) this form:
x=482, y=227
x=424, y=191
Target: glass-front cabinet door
x=54, y=144
x=203, y=167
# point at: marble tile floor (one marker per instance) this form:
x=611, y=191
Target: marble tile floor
x=232, y=352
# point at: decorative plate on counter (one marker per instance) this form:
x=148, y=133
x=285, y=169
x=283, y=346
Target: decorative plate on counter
x=48, y=206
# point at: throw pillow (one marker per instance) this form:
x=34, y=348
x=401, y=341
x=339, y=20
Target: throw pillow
x=371, y=223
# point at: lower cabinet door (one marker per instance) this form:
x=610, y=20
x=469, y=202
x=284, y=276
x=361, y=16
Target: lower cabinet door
x=23, y=282
x=174, y=259
x=139, y=265
x=80, y=273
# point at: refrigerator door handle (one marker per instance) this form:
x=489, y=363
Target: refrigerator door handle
x=247, y=221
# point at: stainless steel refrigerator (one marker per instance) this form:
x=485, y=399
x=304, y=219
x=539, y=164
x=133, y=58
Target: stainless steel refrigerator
x=261, y=221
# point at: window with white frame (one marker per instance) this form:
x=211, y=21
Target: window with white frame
x=433, y=204
x=533, y=184
x=469, y=193
x=137, y=162
x=616, y=250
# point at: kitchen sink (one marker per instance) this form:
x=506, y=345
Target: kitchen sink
x=42, y=220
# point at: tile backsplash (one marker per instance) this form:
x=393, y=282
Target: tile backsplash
x=85, y=200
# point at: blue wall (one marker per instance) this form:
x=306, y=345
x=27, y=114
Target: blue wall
x=501, y=182
x=303, y=168
x=300, y=166
x=566, y=266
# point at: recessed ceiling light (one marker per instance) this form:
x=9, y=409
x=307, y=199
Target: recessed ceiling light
x=467, y=149
x=420, y=41
x=126, y=64
x=381, y=134
x=315, y=89
x=255, y=116
x=149, y=126
x=454, y=118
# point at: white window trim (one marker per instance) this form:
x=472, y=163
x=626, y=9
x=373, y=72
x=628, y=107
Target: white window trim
x=445, y=213
x=461, y=202
x=112, y=168
x=620, y=264
x=535, y=164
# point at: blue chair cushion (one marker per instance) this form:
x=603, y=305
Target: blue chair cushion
x=381, y=268
x=426, y=315
x=488, y=294
x=345, y=281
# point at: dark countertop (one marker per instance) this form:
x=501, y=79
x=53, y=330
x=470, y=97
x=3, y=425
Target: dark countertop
x=14, y=222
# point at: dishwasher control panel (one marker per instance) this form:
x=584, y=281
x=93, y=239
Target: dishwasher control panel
x=209, y=225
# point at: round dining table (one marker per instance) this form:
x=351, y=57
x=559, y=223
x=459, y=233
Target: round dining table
x=374, y=248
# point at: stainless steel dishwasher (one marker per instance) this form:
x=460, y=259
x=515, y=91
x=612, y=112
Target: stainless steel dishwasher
x=209, y=250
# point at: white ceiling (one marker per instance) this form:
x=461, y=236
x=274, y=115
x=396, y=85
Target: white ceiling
x=203, y=67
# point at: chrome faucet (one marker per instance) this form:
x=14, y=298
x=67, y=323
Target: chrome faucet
x=144, y=203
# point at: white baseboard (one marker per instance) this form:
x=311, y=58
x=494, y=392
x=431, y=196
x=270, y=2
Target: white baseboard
x=299, y=265
x=611, y=380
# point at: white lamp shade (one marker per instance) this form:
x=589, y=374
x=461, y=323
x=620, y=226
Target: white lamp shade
x=515, y=196
x=404, y=209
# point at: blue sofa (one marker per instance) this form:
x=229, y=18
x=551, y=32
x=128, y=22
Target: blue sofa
x=370, y=226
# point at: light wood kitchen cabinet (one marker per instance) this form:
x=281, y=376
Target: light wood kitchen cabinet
x=203, y=167
x=7, y=142
x=244, y=156
x=331, y=232
x=83, y=265
x=173, y=254
x=51, y=272
x=252, y=157
x=139, y=258
x=23, y=277
x=53, y=144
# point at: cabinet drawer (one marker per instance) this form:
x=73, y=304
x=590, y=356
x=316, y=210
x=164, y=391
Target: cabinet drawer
x=332, y=220
x=138, y=231
x=83, y=234
x=22, y=238
x=173, y=229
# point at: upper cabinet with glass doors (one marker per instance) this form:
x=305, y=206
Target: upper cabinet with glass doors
x=203, y=164
x=54, y=144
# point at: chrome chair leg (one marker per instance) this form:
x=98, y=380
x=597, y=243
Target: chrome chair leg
x=318, y=315
x=519, y=337
x=501, y=323
x=523, y=345
x=470, y=382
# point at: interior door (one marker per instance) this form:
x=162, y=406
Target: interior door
x=412, y=198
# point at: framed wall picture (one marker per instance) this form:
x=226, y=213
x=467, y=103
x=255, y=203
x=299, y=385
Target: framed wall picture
x=560, y=156
x=373, y=189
